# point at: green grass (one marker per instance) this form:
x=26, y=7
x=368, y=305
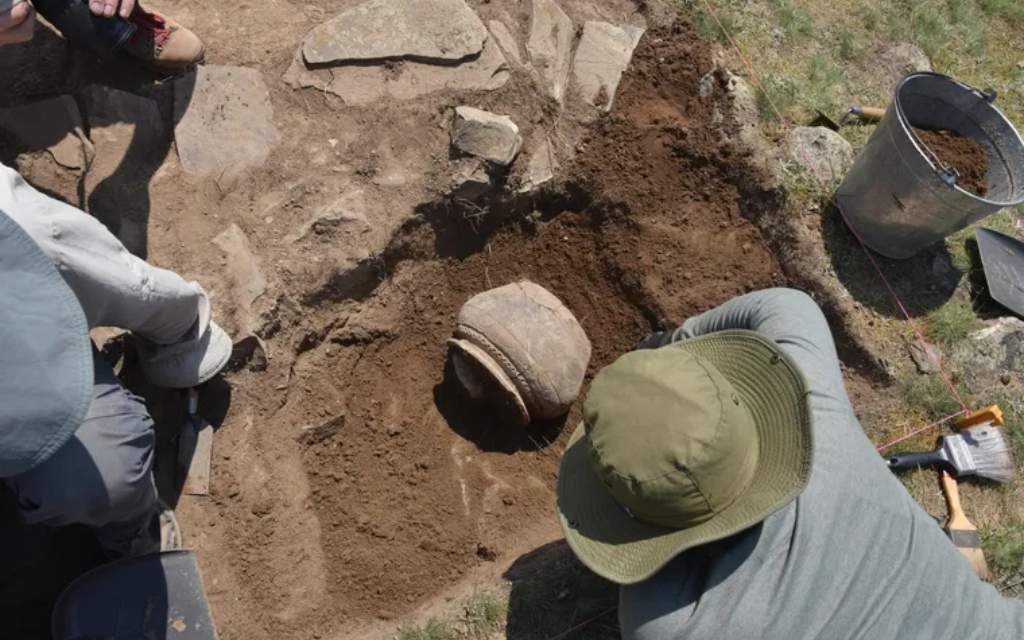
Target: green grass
x=929, y=396
x=1010, y=10
x=1004, y=549
x=432, y=630
x=795, y=22
x=952, y=322
x=485, y=613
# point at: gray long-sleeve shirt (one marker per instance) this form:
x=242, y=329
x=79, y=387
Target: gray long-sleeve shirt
x=853, y=557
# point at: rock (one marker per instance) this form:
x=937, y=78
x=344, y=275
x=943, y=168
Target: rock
x=747, y=137
x=541, y=167
x=361, y=85
x=486, y=135
x=131, y=143
x=991, y=353
x=508, y=43
x=471, y=180
x=602, y=56
x=225, y=122
x=425, y=30
x=348, y=209
x=821, y=152
x=550, y=46
x=250, y=353
x=248, y=282
x=901, y=59
x=924, y=357
x=55, y=125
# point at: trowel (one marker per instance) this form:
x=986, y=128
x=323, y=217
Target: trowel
x=195, y=450
x=864, y=114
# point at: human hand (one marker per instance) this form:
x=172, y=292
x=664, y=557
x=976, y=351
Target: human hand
x=107, y=8
x=17, y=22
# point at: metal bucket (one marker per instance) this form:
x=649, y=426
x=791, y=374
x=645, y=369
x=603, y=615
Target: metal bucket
x=899, y=198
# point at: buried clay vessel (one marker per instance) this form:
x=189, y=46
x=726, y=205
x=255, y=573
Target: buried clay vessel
x=519, y=348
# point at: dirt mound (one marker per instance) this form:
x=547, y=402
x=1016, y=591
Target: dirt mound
x=963, y=154
x=412, y=485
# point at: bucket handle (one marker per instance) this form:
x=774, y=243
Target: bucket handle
x=949, y=175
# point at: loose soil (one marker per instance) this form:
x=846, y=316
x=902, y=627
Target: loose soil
x=963, y=154
x=412, y=485
x=353, y=485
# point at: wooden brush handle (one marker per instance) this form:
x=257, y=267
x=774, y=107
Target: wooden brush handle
x=957, y=517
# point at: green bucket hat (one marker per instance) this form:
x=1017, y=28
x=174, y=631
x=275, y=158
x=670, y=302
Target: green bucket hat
x=681, y=446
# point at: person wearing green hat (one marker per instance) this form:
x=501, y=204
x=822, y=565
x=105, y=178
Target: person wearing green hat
x=76, y=447
x=722, y=478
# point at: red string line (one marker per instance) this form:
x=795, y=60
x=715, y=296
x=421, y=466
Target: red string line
x=752, y=73
x=919, y=431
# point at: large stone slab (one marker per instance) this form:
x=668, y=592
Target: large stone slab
x=131, y=143
x=361, y=85
x=550, y=46
x=486, y=135
x=426, y=30
x=602, y=56
x=508, y=42
x=225, y=122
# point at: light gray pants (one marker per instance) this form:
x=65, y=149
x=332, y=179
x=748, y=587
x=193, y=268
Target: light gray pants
x=102, y=477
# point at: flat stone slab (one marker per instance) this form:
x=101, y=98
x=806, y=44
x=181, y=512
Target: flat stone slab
x=541, y=167
x=550, y=46
x=225, y=122
x=602, y=56
x=508, y=42
x=486, y=135
x=425, y=30
x=360, y=85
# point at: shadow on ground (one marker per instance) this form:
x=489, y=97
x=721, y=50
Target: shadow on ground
x=553, y=595
x=923, y=282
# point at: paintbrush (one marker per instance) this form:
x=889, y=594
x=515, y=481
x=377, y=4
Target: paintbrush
x=962, y=531
x=980, y=451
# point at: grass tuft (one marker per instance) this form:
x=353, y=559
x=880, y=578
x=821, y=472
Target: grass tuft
x=929, y=395
x=432, y=630
x=1009, y=10
x=1004, y=549
x=952, y=322
x=795, y=22
x=485, y=613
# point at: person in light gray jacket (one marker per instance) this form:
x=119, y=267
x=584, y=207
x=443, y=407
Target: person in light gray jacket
x=722, y=478
x=76, y=447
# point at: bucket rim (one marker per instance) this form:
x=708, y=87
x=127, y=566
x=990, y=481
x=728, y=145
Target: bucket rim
x=918, y=145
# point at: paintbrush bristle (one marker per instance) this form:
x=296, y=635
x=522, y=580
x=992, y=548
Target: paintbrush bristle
x=977, y=559
x=991, y=452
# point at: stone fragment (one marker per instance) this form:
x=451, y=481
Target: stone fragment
x=248, y=282
x=821, y=152
x=471, y=180
x=486, y=135
x=602, y=56
x=901, y=59
x=550, y=46
x=54, y=125
x=924, y=357
x=540, y=169
x=225, y=122
x=361, y=85
x=131, y=143
x=348, y=209
x=508, y=43
x=424, y=30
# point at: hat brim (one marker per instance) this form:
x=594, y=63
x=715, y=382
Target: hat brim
x=624, y=550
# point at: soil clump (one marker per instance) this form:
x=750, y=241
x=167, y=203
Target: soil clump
x=960, y=153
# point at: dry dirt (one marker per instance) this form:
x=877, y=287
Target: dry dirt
x=963, y=154
x=353, y=487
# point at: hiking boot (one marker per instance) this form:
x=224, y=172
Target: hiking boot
x=193, y=360
x=162, y=42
